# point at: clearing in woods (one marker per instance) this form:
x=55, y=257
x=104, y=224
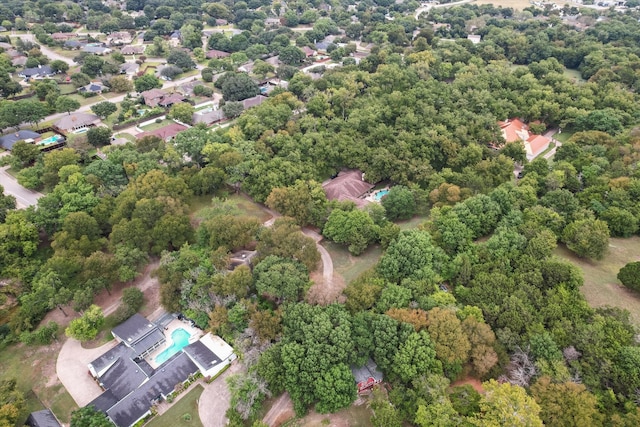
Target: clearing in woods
x=601, y=285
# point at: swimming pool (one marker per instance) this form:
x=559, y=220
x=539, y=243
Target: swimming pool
x=81, y=130
x=180, y=339
x=51, y=140
x=380, y=194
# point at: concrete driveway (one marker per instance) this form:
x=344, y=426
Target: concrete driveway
x=24, y=197
x=216, y=399
x=73, y=372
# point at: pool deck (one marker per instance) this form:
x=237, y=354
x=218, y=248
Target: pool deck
x=175, y=324
x=371, y=197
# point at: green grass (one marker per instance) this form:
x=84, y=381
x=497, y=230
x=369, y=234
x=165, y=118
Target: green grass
x=66, y=89
x=32, y=368
x=349, y=266
x=601, y=286
x=236, y=203
x=574, y=74
x=353, y=416
x=564, y=136
x=174, y=416
x=154, y=126
x=126, y=136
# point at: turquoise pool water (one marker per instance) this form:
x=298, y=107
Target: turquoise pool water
x=51, y=140
x=180, y=339
x=81, y=130
x=380, y=194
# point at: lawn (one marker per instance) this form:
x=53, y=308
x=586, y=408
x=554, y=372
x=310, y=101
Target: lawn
x=202, y=207
x=175, y=416
x=601, y=287
x=564, y=136
x=34, y=370
x=126, y=136
x=349, y=266
x=574, y=74
x=353, y=416
x=154, y=125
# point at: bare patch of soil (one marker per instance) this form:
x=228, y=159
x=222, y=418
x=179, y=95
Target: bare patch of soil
x=473, y=382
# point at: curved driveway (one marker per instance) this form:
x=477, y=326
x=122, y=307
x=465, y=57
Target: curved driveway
x=216, y=399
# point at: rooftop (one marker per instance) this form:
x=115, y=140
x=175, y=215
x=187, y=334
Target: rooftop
x=44, y=418
x=166, y=132
x=348, y=185
x=133, y=329
x=76, y=120
x=7, y=141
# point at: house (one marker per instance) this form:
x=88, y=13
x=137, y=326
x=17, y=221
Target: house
x=61, y=37
x=187, y=88
x=308, y=52
x=94, y=87
x=166, y=132
x=171, y=99
x=132, y=385
x=44, y=418
x=246, y=68
x=254, y=101
x=39, y=72
x=73, y=44
x=348, y=185
x=475, y=39
x=152, y=97
x=514, y=130
x=239, y=258
x=175, y=38
x=119, y=38
x=367, y=376
x=221, y=22
x=19, y=61
x=217, y=54
x=129, y=68
x=76, y=121
x=96, y=50
x=272, y=22
x=274, y=61
x=133, y=50
x=7, y=141
x=208, y=117
x=272, y=84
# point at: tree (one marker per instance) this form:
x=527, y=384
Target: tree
x=232, y=109
x=99, y=136
x=291, y=55
x=335, y=389
x=354, y=228
x=25, y=152
x=284, y=238
x=629, y=275
x=399, y=203
x=89, y=416
x=237, y=86
x=66, y=104
x=80, y=79
x=415, y=357
x=131, y=302
x=626, y=371
x=104, y=109
x=7, y=203
x=305, y=201
x=621, y=222
x=120, y=84
x=587, y=238
x=92, y=65
x=565, y=404
x=12, y=403
x=170, y=71
x=507, y=405
x=59, y=66
x=182, y=111
x=147, y=82
x=281, y=279
x=86, y=327
x=451, y=344
x=181, y=59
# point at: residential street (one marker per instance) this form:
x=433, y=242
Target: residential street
x=44, y=49
x=24, y=197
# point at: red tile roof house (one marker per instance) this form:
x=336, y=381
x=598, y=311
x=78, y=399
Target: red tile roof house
x=308, y=51
x=515, y=130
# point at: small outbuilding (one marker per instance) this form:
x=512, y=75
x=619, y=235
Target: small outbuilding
x=44, y=418
x=367, y=376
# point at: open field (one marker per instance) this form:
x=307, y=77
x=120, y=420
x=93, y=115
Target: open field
x=574, y=74
x=34, y=370
x=349, y=266
x=201, y=207
x=186, y=407
x=357, y=415
x=154, y=126
x=601, y=287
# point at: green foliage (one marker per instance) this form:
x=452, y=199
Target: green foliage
x=415, y=357
x=182, y=111
x=281, y=279
x=146, y=82
x=588, y=238
x=86, y=327
x=354, y=228
x=89, y=416
x=506, y=404
x=99, y=136
x=629, y=275
x=399, y=203
x=104, y=109
x=12, y=403
x=237, y=86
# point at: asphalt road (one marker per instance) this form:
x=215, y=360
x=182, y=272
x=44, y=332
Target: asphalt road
x=44, y=49
x=24, y=197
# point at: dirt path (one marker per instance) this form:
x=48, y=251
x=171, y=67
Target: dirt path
x=216, y=399
x=281, y=411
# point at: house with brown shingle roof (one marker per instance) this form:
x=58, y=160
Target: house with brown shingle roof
x=152, y=97
x=217, y=54
x=166, y=132
x=348, y=185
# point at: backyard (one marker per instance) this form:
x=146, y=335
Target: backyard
x=182, y=413
x=601, y=286
x=349, y=267
x=157, y=125
x=203, y=207
x=356, y=415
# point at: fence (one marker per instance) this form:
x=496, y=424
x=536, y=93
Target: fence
x=136, y=122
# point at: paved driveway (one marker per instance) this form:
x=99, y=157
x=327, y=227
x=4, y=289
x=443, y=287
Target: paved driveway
x=73, y=371
x=24, y=197
x=216, y=399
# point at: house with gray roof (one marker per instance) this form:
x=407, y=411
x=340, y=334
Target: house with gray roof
x=129, y=68
x=96, y=50
x=367, y=376
x=133, y=50
x=254, y=101
x=139, y=334
x=208, y=117
x=73, y=44
x=44, y=418
x=39, y=72
x=7, y=141
x=94, y=87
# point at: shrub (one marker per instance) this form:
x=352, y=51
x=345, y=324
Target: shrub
x=629, y=275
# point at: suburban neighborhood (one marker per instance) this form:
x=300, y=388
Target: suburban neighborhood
x=344, y=213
